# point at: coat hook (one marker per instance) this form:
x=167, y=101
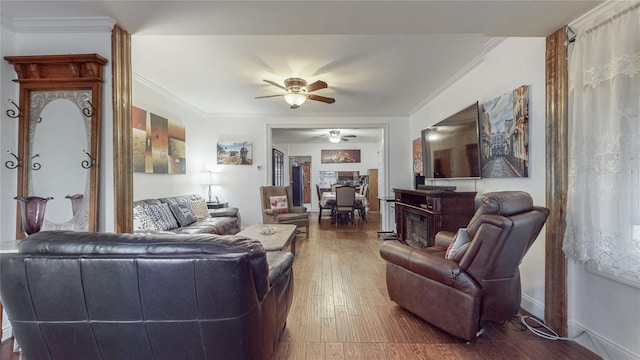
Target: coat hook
x=35, y=165
x=88, y=164
x=88, y=112
x=12, y=164
x=12, y=113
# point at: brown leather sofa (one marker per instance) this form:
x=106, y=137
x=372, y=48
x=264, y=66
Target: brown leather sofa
x=481, y=283
x=72, y=295
x=160, y=215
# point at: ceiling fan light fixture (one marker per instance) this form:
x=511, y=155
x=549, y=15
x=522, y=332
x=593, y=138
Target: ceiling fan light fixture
x=295, y=99
x=334, y=136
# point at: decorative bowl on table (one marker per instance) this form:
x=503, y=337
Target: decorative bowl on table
x=268, y=230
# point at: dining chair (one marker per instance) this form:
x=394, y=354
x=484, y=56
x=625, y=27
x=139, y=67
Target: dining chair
x=345, y=203
x=361, y=205
x=328, y=205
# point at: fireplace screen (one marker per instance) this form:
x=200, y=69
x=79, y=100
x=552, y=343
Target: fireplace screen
x=416, y=230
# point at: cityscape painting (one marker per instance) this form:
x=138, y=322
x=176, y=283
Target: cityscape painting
x=504, y=135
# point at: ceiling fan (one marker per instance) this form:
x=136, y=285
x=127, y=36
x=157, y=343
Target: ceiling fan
x=335, y=137
x=297, y=91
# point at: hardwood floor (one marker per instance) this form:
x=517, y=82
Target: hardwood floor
x=341, y=310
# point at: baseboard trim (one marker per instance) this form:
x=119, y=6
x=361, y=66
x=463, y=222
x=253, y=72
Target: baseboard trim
x=599, y=344
x=533, y=306
x=6, y=333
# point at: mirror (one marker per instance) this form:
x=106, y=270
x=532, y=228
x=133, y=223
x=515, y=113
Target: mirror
x=59, y=132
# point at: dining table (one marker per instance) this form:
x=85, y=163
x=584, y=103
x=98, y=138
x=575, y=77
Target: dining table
x=328, y=199
x=330, y=196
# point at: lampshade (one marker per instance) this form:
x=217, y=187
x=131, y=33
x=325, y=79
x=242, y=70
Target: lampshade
x=210, y=178
x=295, y=99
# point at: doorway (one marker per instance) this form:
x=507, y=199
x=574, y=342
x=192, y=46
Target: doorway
x=304, y=163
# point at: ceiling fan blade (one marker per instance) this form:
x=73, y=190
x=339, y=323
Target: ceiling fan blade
x=267, y=96
x=316, y=86
x=275, y=84
x=323, y=99
x=349, y=136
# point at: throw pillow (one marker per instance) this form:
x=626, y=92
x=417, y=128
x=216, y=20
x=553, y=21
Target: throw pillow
x=460, y=239
x=162, y=217
x=279, y=204
x=141, y=219
x=460, y=253
x=199, y=208
x=183, y=213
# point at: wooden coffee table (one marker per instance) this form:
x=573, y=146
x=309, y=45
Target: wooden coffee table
x=284, y=236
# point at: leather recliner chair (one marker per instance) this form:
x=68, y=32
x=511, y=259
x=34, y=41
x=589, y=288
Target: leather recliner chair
x=73, y=295
x=481, y=283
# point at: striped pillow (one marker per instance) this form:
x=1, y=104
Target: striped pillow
x=162, y=217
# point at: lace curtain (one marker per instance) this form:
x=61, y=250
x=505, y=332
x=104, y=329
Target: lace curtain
x=603, y=205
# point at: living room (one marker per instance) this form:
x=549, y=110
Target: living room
x=607, y=309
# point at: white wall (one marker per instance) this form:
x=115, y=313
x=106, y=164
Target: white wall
x=608, y=310
x=508, y=64
x=239, y=184
x=199, y=147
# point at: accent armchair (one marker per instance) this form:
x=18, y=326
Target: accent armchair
x=480, y=282
x=277, y=207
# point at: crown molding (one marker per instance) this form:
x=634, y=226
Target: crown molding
x=61, y=25
x=165, y=93
x=488, y=46
x=600, y=13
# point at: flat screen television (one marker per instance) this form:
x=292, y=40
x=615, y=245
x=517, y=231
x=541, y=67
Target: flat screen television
x=450, y=148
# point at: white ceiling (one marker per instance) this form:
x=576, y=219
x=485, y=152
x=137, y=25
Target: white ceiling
x=380, y=58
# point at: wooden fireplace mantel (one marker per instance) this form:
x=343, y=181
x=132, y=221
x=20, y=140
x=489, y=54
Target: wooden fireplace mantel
x=440, y=210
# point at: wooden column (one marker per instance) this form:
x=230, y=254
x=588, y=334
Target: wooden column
x=555, y=304
x=122, y=131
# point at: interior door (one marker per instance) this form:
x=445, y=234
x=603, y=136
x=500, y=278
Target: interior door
x=306, y=169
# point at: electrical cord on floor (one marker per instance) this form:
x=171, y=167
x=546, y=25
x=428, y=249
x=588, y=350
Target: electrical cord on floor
x=549, y=334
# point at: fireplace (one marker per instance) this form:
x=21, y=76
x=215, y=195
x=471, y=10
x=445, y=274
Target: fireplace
x=421, y=214
x=417, y=229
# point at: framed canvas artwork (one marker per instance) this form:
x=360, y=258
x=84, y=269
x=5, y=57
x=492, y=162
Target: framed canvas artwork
x=158, y=144
x=235, y=153
x=504, y=134
x=339, y=156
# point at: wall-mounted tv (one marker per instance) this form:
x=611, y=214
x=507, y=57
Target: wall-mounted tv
x=450, y=148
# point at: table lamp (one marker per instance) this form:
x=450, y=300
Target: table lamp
x=210, y=178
